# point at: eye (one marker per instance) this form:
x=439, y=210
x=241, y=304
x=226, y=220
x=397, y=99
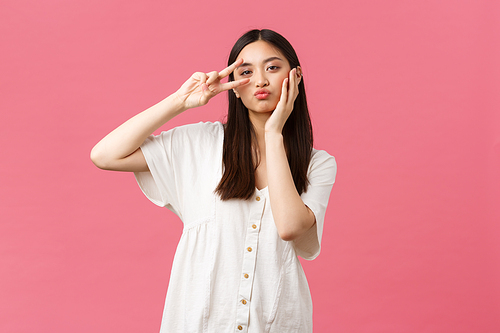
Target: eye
x=272, y=68
x=247, y=72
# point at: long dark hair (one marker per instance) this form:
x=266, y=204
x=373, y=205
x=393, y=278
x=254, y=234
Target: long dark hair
x=239, y=150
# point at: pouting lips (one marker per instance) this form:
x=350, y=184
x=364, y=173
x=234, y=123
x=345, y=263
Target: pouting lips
x=262, y=93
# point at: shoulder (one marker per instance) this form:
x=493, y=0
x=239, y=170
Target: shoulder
x=197, y=138
x=322, y=168
x=200, y=130
x=207, y=126
x=202, y=133
x=321, y=159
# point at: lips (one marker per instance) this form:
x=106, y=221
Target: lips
x=262, y=94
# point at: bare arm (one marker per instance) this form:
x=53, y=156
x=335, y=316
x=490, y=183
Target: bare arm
x=292, y=217
x=119, y=150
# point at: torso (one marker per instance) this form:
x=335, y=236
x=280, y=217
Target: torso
x=223, y=242
x=261, y=174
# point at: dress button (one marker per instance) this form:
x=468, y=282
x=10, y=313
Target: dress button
x=258, y=198
x=254, y=226
x=246, y=276
x=243, y=301
x=240, y=328
x=249, y=249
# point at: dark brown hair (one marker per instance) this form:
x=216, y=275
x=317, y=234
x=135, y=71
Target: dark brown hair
x=239, y=150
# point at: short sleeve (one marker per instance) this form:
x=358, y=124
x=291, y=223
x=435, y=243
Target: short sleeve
x=158, y=184
x=177, y=162
x=321, y=174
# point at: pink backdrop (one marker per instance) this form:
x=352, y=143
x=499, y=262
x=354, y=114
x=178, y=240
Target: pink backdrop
x=405, y=94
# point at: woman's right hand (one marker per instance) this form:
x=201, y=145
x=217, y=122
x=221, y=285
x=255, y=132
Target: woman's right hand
x=119, y=150
x=201, y=87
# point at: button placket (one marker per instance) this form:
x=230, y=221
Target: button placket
x=248, y=267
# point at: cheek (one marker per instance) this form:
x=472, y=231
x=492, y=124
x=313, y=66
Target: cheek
x=243, y=92
x=280, y=81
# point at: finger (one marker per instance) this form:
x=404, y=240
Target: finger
x=293, y=88
x=233, y=84
x=212, y=76
x=298, y=79
x=228, y=70
x=293, y=83
x=284, y=92
x=202, y=77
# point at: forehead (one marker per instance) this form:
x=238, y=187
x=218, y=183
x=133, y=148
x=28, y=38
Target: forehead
x=259, y=50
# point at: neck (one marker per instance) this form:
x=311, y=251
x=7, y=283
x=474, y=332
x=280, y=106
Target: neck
x=258, y=121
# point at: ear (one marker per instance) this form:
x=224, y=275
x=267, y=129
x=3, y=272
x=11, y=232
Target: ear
x=299, y=74
x=236, y=93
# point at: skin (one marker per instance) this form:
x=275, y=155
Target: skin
x=119, y=150
x=267, y=68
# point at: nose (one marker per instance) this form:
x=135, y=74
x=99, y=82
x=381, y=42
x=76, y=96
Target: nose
x=260, y=79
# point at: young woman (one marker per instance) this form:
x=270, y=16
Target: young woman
x=252, y=192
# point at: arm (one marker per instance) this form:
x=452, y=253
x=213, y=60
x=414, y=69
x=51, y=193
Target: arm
x=292, y=217
x=119, y=150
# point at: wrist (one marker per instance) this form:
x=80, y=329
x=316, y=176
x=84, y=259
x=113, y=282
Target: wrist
x=273, y=136
x=178, y=103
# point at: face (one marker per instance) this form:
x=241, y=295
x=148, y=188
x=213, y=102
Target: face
x=266, y=67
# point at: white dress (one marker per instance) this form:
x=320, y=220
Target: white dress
x=231, y=271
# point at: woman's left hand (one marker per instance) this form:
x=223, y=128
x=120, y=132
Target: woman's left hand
x=289, y=92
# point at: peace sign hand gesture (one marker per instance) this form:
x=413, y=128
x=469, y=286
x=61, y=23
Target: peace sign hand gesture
x=201, y=87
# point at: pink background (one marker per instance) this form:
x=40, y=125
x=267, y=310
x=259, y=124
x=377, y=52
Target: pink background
x=405, y=94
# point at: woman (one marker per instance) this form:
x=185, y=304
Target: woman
x=252, y=193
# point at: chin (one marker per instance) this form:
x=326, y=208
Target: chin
x=262, y=111
x=265, y=108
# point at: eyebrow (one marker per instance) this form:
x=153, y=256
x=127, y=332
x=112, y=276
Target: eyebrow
x=265, y=60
